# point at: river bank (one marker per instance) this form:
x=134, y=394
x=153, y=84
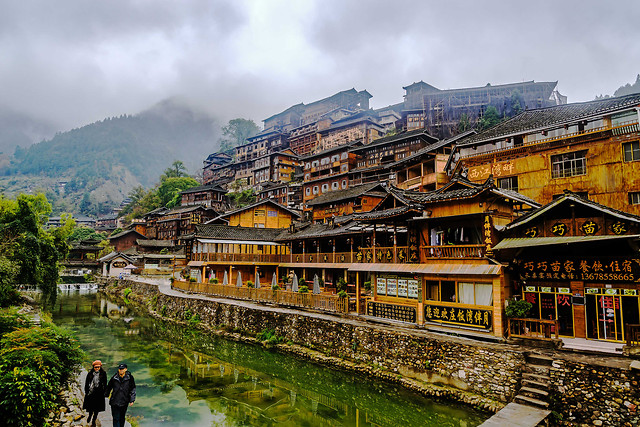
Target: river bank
x=486, y=376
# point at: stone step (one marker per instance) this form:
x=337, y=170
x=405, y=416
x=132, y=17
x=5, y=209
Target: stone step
x=543, y=385
x=526, y=400
x=537, y=369
x=533, y=392
x=536, y=377
x=539, y=359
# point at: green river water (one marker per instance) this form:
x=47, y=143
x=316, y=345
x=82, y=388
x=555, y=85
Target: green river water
x=187, y=378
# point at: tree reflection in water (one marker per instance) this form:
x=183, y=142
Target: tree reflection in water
x=187, y=378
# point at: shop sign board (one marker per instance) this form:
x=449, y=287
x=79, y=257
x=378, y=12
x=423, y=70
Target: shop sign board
x=464, y=316
x=588, y=269
x=402, y=313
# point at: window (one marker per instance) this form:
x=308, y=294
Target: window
x=569, y=164
x=634, y=198
x=510, y=183
x=631, y=151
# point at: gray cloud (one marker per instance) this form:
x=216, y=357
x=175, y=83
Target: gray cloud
x=72, y=61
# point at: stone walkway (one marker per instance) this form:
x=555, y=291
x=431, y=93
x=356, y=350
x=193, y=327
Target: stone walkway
x=517, y=415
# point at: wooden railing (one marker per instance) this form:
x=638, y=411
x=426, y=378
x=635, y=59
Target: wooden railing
x=632, y=334
x=453, y=251
x=532, y=328
x=331, y=303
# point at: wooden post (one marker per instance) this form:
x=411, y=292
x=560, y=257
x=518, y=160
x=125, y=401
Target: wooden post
x=358, y=292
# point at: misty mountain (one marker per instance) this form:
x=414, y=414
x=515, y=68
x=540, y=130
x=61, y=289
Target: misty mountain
x=91, y=169
x=21, y=130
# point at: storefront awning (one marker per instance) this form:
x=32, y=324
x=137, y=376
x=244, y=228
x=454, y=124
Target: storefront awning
x=454, y=269
x=526, y=242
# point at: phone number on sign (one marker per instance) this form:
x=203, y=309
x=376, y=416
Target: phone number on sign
x=609, y=276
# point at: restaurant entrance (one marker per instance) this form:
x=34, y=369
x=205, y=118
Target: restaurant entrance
x=608, y=310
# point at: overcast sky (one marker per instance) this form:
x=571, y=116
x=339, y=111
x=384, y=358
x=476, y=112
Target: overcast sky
x=76, y=61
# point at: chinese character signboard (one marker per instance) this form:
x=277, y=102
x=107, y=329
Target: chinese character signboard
x=604, y=269
x=459, y=316
x=392, y=311
x=498, y=170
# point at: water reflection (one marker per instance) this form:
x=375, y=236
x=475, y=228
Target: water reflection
x=186, y=378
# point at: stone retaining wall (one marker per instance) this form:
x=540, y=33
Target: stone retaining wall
x=484, y=375
x=594, y=395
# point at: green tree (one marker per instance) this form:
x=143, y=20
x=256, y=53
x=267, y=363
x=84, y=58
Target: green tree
x=176, y=170
x=464, y=124
x=171, y=187
x=26, y=244
x=490, y=118
x=236, y=133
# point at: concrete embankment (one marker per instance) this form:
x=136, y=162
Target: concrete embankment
x=487, y=376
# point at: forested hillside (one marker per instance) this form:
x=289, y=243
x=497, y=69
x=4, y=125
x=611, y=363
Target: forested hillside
x=91, y=169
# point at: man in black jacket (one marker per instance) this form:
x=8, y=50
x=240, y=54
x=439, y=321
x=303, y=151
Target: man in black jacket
x=123, y=393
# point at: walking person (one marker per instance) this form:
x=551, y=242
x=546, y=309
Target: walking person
x=94, y=387
x=123, y=393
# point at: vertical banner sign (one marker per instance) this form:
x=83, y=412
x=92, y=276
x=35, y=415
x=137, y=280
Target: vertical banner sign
x=402, y=288
x=381, y=286
x=487, y=234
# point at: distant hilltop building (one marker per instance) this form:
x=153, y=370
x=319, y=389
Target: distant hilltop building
x=440, y=111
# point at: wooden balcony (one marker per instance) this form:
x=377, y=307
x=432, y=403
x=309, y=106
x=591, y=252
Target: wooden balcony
x=453, y=251
x=532, y=328
x=330, y=303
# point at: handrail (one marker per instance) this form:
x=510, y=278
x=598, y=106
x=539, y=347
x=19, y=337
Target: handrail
x=330, y=303
x=532, y=328
x=632, y=334
x=454, y=251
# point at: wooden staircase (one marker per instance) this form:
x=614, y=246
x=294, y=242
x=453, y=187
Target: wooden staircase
x=534, y=388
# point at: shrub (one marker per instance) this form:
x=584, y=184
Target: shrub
x=518, y=308
x=341, y=285
x=269, y=336
x=303, y=289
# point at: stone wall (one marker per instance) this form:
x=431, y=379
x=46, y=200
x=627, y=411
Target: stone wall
x=584, y=390
x=488, y=370
x=594, y=394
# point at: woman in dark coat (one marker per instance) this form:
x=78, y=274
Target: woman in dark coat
x=94, y=388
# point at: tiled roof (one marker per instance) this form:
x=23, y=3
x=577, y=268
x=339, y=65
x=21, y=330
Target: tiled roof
x=541, y=118
x=212, y=187
x=348, y=193
x=124, y=233
x=570, y=197
x=388, y=213
x=397, y=137
x=432, y=147
x=258, y=203
x=226, y=232
x=317, y=230
x=151, y=243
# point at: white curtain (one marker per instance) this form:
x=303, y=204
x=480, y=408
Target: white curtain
x=484, y=294
x=465, y=293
